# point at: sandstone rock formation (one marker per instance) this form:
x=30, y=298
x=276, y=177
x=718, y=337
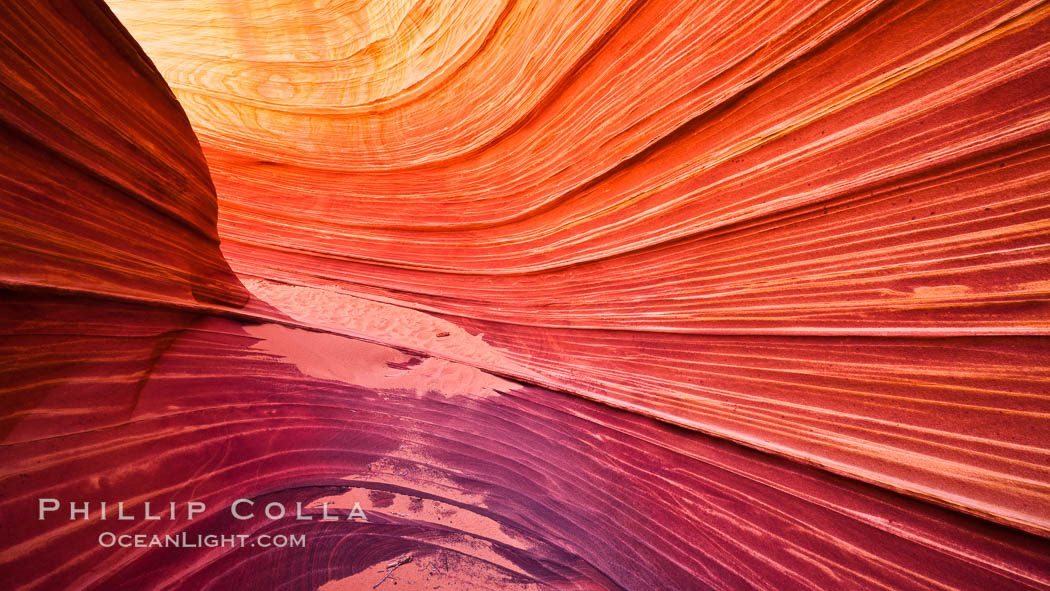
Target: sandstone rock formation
x=582, y=295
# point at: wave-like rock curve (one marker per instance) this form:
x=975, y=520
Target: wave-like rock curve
x=633, y=295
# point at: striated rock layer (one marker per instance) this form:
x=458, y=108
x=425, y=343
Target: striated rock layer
x=645, y=295
x=818, y=229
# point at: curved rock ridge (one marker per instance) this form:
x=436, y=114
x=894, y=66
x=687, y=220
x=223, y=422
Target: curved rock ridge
x=105, y=196
x=145, y=206
x=818, y=229
x=625, y=296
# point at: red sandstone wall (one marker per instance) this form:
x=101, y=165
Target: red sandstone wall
x=105, y=189
x=818, y=229
x=585, y=296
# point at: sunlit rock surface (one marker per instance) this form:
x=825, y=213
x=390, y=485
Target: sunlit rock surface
x=586, y=295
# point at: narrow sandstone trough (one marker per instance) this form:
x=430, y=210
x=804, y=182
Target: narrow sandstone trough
x=525, y=295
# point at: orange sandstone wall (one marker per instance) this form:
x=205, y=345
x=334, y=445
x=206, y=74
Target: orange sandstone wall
x=650, y=296
x=818, y=229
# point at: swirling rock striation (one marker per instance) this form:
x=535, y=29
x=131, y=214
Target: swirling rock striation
x=650, y=295
x=818, y=229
